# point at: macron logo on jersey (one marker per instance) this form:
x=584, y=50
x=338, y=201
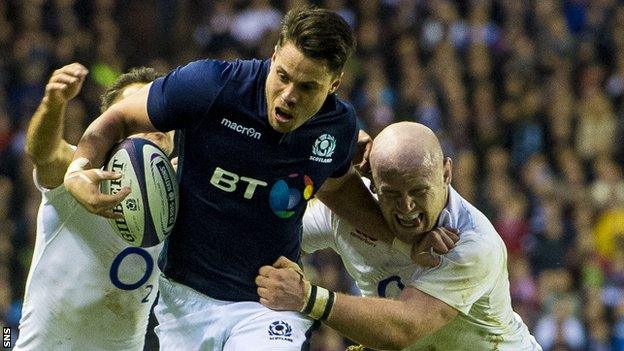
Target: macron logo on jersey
x=250, y=132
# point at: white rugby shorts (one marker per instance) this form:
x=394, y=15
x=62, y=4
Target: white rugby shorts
x=190, y=320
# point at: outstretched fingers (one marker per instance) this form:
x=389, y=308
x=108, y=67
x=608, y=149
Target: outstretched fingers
x=84, y=185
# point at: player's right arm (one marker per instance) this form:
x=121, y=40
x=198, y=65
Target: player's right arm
x=83, y=176
x=177, y=101
x=378, y=323
x=45, y=145
x=427, y=303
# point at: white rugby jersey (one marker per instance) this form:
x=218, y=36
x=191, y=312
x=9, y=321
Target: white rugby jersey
x=472, y=277
x=87, y=289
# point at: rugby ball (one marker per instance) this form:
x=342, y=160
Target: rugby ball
x=149, y=212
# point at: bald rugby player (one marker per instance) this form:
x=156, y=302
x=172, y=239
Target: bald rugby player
x=463, y=303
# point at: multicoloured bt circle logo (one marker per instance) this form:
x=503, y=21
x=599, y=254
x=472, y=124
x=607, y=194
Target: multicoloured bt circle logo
x=285, y=194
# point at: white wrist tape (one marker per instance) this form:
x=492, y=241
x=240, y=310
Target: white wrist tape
x=76, y=166
x=402, y=247
x=318, y=303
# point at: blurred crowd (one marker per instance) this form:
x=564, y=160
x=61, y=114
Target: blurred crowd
x=526, y=96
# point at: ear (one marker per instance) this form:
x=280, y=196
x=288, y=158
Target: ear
x=275, y=48
x=335, y=84
x=448, y=170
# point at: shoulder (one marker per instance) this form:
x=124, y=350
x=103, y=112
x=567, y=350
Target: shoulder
x=338, y=108
x=336, y=118
x=348, y=114
x=475, y=255
x=207, y=64
x=478, y=239
x=244, y=70
x=464, y=274
x=197, y=72
x=472, y=249
x=347, y=117
x=237, y=70
x=346, y=107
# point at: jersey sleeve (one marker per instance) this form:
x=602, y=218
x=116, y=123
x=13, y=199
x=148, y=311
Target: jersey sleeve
x=57, y=205
x=184, y=97
x=318, y=227
x=464, y=275
x=58, y=195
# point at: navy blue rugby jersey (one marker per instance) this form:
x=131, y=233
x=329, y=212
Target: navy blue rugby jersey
x=243, y=185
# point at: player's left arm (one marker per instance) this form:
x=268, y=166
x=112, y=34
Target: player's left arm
x=45, y=146
x=349, y=199
x=374, y=322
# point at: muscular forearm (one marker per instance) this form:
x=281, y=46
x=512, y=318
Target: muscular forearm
x=374, y=322
x=127, y=117
x=100, y=137
x=355, y=204
x=45, y=132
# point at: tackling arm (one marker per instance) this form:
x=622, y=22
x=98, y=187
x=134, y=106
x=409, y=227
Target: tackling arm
x=45, y=145
x=349, y=199
x=389, y=324
x=374, y=322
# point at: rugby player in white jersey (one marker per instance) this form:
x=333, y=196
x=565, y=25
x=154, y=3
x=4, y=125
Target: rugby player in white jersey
x=87, y=289
x=462, y=303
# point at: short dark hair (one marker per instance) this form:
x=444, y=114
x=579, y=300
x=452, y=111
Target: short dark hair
x=135, y=75
x=319, y=34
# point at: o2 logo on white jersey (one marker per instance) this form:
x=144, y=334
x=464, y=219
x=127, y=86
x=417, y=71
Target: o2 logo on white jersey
x=128, y=286
x=387, y=284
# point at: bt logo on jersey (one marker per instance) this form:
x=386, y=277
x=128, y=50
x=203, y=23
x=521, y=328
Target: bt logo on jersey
x=227, y=181
x=285, y=194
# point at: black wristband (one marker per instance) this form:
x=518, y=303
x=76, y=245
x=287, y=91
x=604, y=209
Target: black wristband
x=308, y=308
x=328, y=306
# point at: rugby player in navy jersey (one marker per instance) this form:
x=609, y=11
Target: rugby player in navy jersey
x=258, y=139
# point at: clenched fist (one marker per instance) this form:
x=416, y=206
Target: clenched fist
x=65, y=83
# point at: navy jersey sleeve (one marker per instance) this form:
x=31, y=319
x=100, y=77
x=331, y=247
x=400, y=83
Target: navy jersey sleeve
x=344, y=166
x=184, y=97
